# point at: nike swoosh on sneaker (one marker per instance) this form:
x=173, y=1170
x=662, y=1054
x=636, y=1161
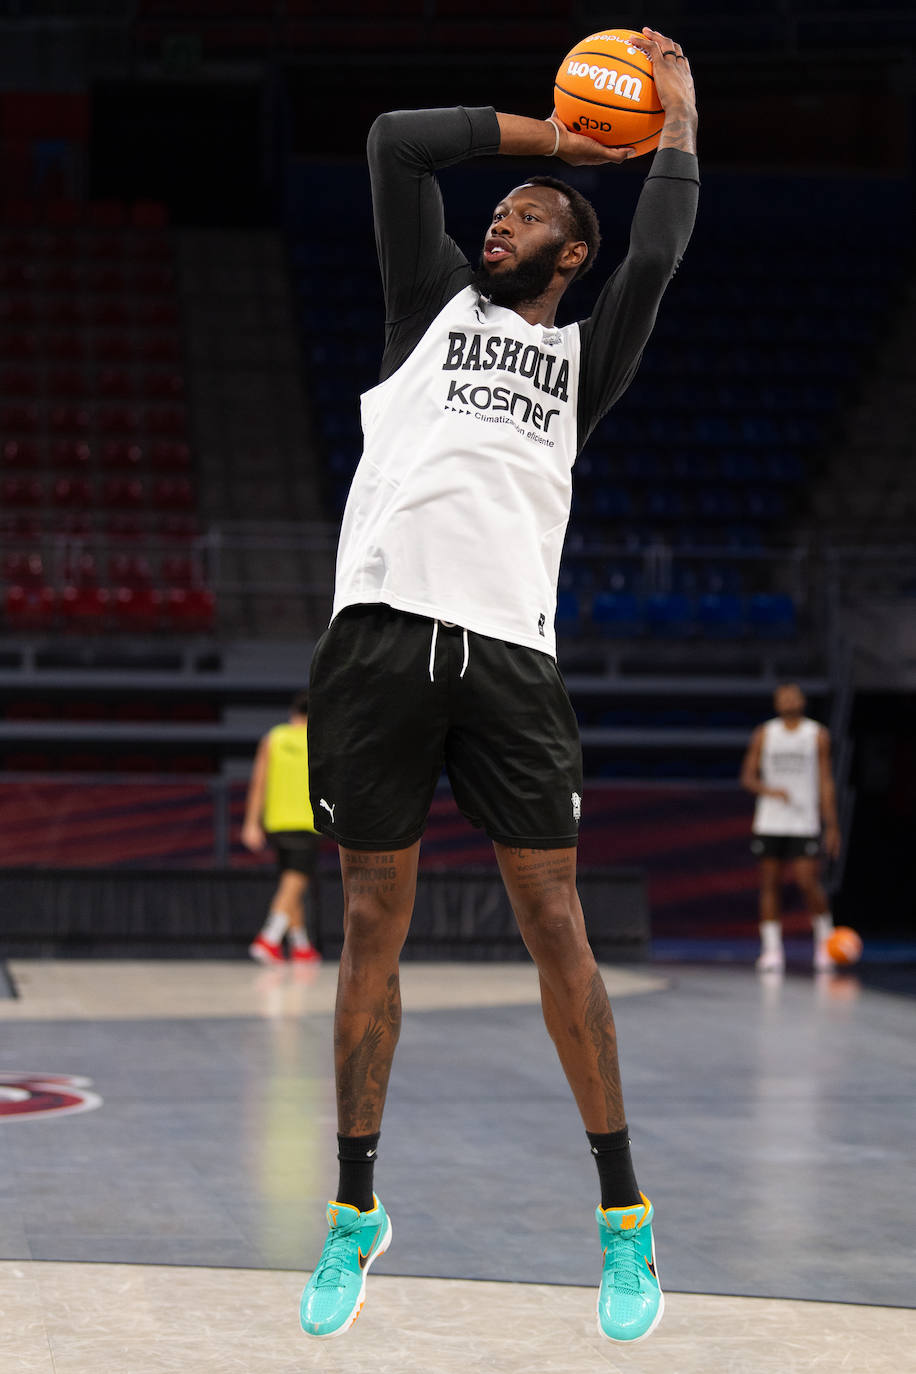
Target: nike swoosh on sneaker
x=364, y=1258
x=650, y=1265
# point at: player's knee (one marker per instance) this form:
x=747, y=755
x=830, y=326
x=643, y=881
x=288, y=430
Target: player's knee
x=554, y=932
x=372, y=928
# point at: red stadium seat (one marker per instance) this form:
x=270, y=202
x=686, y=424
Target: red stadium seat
x=63, y=278
x=190, y=608
x=18, y=382
x=18, y=344
x=172, y=494
x=65, y=314
x=68, y=382
x=69, y=419
x=19, y=525
x=115, y=381
x=17, y=419
x=170, y=455
x=121, y=455
x=30, y=608
x=106, y=280
x=71, y=454
x=179, y=528
x=71, y=492
x=130, y=570
x=137, y=608
x=166, y=386
x=154, y=281
x=119, y=420
x=21, y=453
x=127, y=529
x=159, y=348
x=84, y=608
x=21, y=491
x=113, y=347
x=110, y=315
x=177, y=570
x=68, y=347
x=18, y=276
x=155, y=314
x=166, y=420
x=121, y=493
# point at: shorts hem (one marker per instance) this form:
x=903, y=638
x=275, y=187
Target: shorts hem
x=372, y=846
x=540, y=842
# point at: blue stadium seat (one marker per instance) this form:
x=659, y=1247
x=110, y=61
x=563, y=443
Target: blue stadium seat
x=669, y=614
x=771, y=615
x=567, y=621
x=720, y=615
x=617, y=614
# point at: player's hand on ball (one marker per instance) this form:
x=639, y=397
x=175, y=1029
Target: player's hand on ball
x=670, y=69
x=578, y=151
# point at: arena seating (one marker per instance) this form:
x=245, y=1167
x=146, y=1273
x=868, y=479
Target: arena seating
x=94, y=447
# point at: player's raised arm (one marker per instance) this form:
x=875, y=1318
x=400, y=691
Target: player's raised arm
x=618, y=329
x=417, y=258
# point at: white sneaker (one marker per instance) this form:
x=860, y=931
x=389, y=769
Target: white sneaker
x=822, y=960
x=772, y=961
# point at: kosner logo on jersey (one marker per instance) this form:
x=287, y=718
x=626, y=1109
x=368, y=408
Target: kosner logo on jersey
x=546, y=372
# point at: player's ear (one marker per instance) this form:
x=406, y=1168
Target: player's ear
x=574, y=255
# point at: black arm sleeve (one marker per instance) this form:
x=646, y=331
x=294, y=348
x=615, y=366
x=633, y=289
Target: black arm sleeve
x=421, y=266
x=615, y=334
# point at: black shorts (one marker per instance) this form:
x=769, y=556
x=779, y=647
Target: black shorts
x=785, y=847
x=296, y=850
x=394, y=698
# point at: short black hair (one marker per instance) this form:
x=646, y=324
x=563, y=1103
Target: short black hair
x=300, y=706
x=581, y=218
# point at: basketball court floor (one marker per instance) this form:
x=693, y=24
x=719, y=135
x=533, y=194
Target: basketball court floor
x=167, y=1147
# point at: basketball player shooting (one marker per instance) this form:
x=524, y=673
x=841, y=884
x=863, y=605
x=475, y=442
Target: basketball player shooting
x=441, y=649
x=787, y=767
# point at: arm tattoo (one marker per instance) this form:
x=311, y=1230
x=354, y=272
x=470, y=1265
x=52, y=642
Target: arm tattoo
x=679, y=132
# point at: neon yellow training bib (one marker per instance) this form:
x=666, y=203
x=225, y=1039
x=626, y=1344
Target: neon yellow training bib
x=286, y=799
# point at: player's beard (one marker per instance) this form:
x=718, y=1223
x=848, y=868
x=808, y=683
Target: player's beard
x=525, y=281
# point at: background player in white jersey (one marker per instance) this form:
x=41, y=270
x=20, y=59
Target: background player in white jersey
x=787, y=767
x=441, y=647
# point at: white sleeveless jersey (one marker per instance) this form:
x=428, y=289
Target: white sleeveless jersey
x=459, y=506
x=789, y=760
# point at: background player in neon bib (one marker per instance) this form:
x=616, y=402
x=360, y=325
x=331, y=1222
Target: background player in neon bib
x=787, y=767
x=442, y=649
x=278, y=812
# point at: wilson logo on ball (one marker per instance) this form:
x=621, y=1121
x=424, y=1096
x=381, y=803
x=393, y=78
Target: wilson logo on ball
x=605, y=78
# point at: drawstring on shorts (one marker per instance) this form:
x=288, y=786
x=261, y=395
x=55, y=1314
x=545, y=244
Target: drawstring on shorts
x=434, y=638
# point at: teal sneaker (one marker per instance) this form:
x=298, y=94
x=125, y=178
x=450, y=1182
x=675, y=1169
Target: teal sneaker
x=630, y=1302
x=334, y=1295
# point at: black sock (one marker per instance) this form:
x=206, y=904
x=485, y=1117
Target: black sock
x=615, y=1168
x=357, y=1165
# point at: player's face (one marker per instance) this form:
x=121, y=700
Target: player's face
x=523, y=245
x=789, y=701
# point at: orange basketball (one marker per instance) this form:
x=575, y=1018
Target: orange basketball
x=844, y=946
x=605, y=90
